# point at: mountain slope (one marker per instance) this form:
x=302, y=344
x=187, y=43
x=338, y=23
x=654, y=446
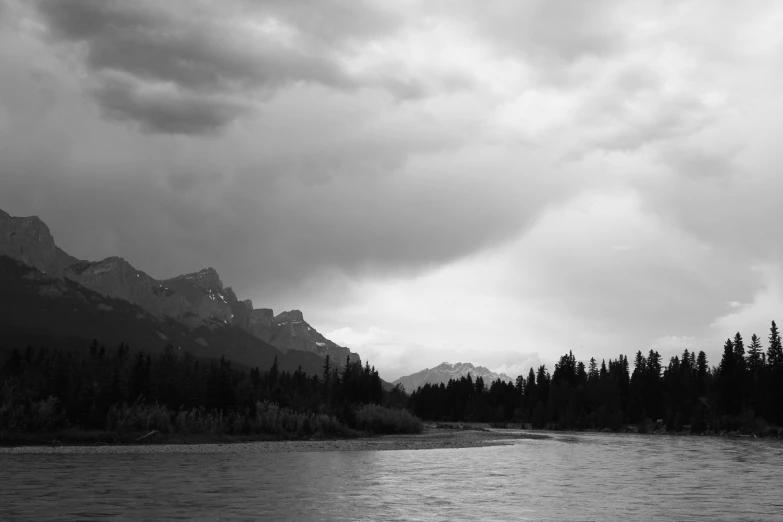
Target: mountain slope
x=115, y=277
x=446, y=371
x=38, y=309
x=195, y=301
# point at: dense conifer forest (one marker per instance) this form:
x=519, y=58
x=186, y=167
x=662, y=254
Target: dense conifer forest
x=744, y=392
x=123, y=392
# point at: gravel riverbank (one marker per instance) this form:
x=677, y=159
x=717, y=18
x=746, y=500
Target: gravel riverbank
x=428, y=439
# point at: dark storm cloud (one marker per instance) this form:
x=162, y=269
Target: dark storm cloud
x=194, y=52
x=207, y=50
x=321, y=180
x=385, y=229
x=166, y=112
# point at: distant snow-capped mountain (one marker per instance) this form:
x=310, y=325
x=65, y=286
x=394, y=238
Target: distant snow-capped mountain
x=446, y=371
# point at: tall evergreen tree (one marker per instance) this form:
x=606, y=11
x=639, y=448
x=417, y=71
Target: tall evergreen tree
x=729, y=385
x=654, y=366
x=739, y=352
x=581, y=373
x=702, y=370
x=754, y=353
x=480, y=388
x=775, y=349
x=639, y=364
x=542, y=383
x=592, y=372
x=728, y=361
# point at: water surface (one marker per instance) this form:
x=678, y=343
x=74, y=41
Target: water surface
x=567, y=477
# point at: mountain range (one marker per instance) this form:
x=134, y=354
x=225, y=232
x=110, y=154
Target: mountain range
x=52, y=297
x=447, y=371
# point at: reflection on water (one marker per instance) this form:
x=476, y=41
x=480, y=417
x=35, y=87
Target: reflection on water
x=568, y=477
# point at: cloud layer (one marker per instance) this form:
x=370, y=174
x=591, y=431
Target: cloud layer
x=453, y=181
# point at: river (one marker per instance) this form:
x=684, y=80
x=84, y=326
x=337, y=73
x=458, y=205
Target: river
x=567, y=477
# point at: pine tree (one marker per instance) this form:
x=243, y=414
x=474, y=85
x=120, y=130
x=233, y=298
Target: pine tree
x=581, y=373
x=542, y=383
x=639, y=365
x=739, y=352
x=775, y=350
x=519, y=385
x=729, y=385
x=530, y=398
x=654, y=366
x=774, y=378
x=686, y=360
x=727, y=363
x=592, y=372
x=702, y=369
x=754, y=353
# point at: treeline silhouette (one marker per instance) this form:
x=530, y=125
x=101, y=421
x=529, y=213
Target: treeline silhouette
x=173, y=392
x=744, y=392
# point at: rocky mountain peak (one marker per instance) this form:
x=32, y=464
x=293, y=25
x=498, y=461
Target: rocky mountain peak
x=206, y=278
x=291, y=316
x=232, y=296
x=100, y=267
x=30, y=228
x=29, y=240
x=267, y=313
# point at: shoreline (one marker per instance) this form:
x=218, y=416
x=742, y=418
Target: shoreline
x=437, y=436
x=772, y=432
x=430, y=438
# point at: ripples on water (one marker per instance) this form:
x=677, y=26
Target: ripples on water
x=568, y=477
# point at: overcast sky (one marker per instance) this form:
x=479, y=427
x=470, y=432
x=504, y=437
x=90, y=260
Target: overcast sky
x=493, y=182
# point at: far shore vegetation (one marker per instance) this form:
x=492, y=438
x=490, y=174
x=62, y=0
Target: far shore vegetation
x=743, y=395
x=96, y=395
